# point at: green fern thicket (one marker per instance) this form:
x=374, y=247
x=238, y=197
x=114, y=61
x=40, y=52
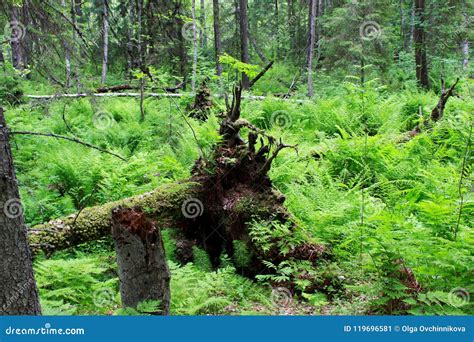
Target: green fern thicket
x=374, y=201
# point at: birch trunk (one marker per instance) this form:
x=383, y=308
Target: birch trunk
x=105, y=37
x=311, y=43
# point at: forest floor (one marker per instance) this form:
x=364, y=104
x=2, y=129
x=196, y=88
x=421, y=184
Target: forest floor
x=353, y=186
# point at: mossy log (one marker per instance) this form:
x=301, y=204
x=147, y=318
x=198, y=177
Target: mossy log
x=95, y=222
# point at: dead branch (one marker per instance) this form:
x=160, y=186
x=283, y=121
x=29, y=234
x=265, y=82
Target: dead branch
x=436, y=113
x=68, y=139
x=260, y=74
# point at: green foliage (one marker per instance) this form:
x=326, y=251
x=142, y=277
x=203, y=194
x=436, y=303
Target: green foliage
x=242, y=256
x=11, y=92
x=201, y=259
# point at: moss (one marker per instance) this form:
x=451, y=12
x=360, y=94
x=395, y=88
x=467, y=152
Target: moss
x=94, y=222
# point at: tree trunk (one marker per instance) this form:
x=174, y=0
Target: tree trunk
x=18, y=291
x=195, y=46
x=203, y=24
x=420, y=45
x=67, y=55
x=141, y=259
x=105, y=38
x=15, y=42
x=313, y=4
x=404, y=42
x=465, y=44
x=76, y=13
x=139, y=33
x=291, y=24
x=2, y=58
x=217, y=36
x=412, y=25
x=244, y=39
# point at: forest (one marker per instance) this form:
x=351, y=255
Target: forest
x=239, y=157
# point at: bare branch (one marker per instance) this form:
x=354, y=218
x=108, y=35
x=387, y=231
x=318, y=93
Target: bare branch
x=69, y=139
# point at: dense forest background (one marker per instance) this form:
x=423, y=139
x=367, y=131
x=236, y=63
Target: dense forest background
x=363, y=110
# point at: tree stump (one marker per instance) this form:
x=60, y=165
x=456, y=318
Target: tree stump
x=143, y=271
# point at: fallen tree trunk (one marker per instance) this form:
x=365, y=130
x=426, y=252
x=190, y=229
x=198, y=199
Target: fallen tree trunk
x=80, y=95
x=94, y=223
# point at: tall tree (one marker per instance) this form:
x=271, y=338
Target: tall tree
x=203, y=24
x=67, y=55
x=313, y=5
x=18, y=291
x=195, y=45
x=15, y=42
x=105, y=40
x=420, y=45
x=217, y=36
x=244, y=39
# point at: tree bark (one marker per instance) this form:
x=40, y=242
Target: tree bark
x=17, y=52
x=67, y=55
x=2, y=58
x=203, y=24
x=244, y=39
x=465, y=44
x=420, y=45
x=313, y=4
x=195, y=46
x=217, y=36
x=141, y=259
x=105, y=40
x=18, y=291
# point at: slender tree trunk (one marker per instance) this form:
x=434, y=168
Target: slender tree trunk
x=244, y=39
x=67, y=55
x=412, y=25
x=465, y=45
x=403, y=35
x=465, y=51
x=313, y=4
x=195, y=46
x=105, y=38
x=291, y=22
x=17, y=52
x=18, y=291
x=2, y=59
x=420, y=45
x=76, y=13
x=203, y=24
x=217, y=36
x=139, y=18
